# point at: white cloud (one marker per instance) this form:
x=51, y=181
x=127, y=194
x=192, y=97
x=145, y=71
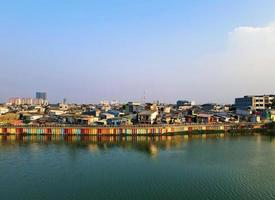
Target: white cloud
x=246, y=66
x=256, y=41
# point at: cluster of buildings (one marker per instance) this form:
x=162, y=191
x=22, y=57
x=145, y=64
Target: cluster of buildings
x=40, y=99
x=38, y=111
x=257, y=108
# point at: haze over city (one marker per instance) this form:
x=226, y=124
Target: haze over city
x=87, y=51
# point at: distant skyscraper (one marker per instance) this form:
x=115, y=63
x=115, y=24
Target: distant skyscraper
x=41, y=95
x=64, y=101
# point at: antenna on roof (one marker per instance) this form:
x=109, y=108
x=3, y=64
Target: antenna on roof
x=144, y=97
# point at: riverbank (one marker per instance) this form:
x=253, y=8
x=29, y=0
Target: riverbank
x=110, y=130
x=135, y=130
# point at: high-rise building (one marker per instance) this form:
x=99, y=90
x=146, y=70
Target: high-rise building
x=259, y=102
x=64, y=101
x=26, y=101
x=41, y=95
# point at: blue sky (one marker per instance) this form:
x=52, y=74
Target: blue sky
x=88, y=51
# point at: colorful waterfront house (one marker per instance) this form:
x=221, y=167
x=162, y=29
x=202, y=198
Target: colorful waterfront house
x=206, y=118
x=16, y=122
x=190, y=119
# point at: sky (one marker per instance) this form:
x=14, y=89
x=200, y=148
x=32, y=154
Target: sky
x=92, y=50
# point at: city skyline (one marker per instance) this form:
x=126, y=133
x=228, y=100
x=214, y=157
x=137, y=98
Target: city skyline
x=43, y=99
x=90, y=51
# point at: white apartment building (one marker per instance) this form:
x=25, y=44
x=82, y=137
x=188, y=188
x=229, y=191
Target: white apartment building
x=26, y=101
x=257, y=102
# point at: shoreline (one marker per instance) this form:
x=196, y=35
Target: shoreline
x=138, y=130
x=183, y=133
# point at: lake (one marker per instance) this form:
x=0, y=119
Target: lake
x=167, y=167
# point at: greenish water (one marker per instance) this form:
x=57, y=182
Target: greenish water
x=175, y=167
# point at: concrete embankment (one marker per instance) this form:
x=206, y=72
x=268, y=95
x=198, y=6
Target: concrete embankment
x=125, y=130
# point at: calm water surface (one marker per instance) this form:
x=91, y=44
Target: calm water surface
x=175, y=167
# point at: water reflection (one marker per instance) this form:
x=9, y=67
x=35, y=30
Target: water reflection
x=176, y=167
x=272, y=139
x=144, y=144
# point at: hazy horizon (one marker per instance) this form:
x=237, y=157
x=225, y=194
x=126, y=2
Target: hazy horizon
x=89, y=51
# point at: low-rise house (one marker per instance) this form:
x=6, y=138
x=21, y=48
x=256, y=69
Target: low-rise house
x=106, y=116
x=223, y=117
x=167, y=109
x=102, y=122
x=36, y=109
x=206, y=118
x=56, y=112
x=243, y=113
x=119, y=121
x=63, y=106
x=176, y=120
x=39, y=109
x=132, y=118
x=151, y=106
x=3, y=110
x=132, y=107
x=95, y=112
x=177, y=117
x=35, y=117
x=47, y=120
x=201, y=118
x=86, y=120
x=255, y=118
x=71, y=119
x=208, y=106
x=166, y=118
x=105, y=107
x=116, y=113
x=190, y=119
x=9, y=118
x=28, y=117
x=184, y=105
x=234, y=119
x=147, y=116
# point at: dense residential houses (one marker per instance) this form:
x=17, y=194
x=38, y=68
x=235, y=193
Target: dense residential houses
x=256, y=109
